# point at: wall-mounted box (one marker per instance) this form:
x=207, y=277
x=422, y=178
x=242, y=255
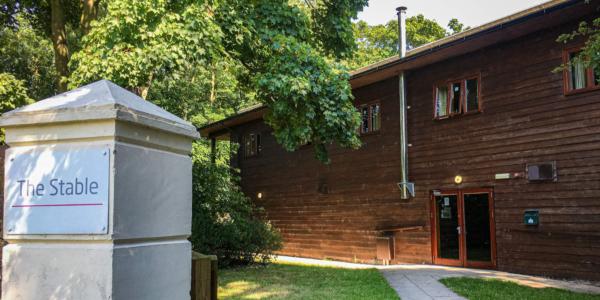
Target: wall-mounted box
x=531, y=217
x=545, y=171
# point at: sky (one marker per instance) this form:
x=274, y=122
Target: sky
x=469, y=12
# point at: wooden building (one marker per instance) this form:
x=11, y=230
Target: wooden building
x=503, y=152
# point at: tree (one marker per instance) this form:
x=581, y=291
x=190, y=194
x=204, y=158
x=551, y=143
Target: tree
x=28, y=57
x=13, y=94
x=456, y=26
x=54, y=19
x=590, y=52
x=420, y=31
x=285, y=55
x=377, y=42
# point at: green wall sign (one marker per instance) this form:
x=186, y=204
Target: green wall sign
x=531, y=217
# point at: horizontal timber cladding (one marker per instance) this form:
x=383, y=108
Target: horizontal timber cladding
x=336, y=211
x=361, y=196
x=526, y=118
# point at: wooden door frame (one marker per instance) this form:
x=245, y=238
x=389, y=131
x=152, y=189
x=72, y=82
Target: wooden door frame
x=462, y=261
x=434, y=232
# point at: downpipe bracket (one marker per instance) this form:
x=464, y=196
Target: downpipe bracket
x=408, y=187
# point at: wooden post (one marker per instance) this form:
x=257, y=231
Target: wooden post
x=213, y=149
x=204, y=277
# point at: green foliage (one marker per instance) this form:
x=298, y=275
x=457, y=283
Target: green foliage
x=420, y=31
x=140, y=42
x=492, y=289
x=378, y=42
x=280, y=53
x=13, y=94
x=202, y=95
x=29, y=57
x=318, y=104
x=333, y=27
x=224, y=221
x=37, y=13
x=456, y=26
x=590, y=53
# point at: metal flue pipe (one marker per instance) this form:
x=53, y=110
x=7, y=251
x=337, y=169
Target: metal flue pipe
x=406, y=188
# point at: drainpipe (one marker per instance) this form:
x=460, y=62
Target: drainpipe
x=406, y=188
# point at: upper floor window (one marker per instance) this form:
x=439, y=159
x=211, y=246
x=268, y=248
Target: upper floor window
x=370, y=118
x=457, y=97
x=251, y=144
x=577, y=76
x=441, y=101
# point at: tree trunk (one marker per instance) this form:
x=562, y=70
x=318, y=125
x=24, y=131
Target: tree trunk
x=89, y=12
x=59, y=41
x=213, y=85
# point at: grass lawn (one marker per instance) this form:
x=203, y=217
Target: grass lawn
x=294, y=281
x=482, y=289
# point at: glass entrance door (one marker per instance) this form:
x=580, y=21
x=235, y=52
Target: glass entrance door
x=448, y=227
x=463, y=228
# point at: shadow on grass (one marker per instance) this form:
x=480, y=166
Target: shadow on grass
x=295, y=281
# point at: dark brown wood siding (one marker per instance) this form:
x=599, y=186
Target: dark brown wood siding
x=334, y=211
x=525, y=119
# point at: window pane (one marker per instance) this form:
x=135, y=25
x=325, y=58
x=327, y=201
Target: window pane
x=375, y=119
x=252, y=144
x=247, y=146
x=455, y=100
x=441, y=102
x=447, y=224
x=597, y=76
x=472, y=95
x=365, y=119
x=577, y=72
x=257, y=144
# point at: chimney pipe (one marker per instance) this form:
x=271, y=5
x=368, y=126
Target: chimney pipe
x=406, y=188
x=401, y=12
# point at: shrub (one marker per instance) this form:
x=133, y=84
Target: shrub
x=225, y=222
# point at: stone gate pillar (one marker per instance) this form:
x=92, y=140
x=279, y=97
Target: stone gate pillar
x=98, y=198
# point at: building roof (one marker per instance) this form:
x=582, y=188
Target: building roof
x=546, y=15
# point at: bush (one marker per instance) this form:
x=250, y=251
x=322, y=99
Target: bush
x=225, y=222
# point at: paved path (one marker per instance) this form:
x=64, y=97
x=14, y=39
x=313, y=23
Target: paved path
x=418, y=285
x=414, y=282
x=422, y=281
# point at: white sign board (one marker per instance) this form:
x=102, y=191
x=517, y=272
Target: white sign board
x=56, y=190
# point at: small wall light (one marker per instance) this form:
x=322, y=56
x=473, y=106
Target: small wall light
x=458, y=179
x=259, y=195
